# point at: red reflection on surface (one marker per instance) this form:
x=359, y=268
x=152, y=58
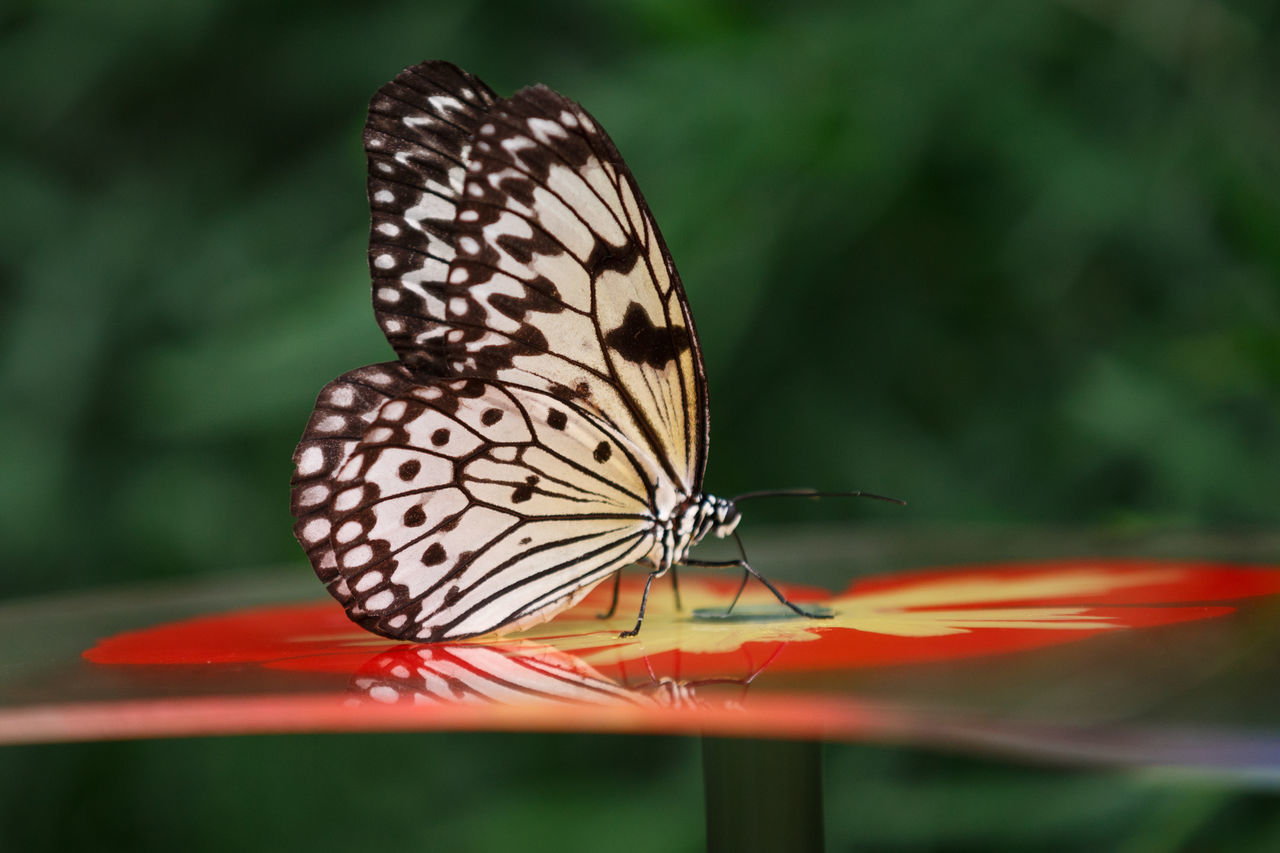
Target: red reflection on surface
x=315, y=636
x=306, y=668
x=908, y=618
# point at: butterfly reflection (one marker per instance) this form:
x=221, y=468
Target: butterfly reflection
x=527, y=673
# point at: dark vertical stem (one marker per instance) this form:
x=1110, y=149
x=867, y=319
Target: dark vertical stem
x=762, y=795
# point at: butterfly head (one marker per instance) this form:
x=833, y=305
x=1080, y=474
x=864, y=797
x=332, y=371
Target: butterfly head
x=709, y=515
x=726, y=516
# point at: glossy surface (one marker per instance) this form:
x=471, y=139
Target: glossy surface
x=1124, y=661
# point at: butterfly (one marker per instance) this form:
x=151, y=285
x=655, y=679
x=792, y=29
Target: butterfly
x=546, y=420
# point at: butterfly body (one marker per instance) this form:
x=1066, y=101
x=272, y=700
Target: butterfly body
x=692, y=521
x=546, y=420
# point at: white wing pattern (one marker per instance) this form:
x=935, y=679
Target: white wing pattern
x=546, y=422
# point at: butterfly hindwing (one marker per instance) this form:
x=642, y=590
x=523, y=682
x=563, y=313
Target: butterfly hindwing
x=462, y=507
x=344, y=409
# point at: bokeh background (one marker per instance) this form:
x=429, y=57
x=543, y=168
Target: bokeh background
x=1016, y=262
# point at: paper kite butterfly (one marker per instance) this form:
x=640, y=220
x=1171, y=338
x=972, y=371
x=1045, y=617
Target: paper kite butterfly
x=546, y=421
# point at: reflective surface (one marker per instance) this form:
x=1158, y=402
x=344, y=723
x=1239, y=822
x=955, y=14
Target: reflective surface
x=1123, y=661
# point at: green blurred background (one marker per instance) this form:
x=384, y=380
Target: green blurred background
x=1013, y=262
x=1016, y=262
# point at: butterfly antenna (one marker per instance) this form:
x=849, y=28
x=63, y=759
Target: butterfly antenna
x=813, y=493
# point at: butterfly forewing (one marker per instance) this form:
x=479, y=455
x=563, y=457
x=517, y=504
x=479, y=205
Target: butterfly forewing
x=551, y=273
x=549, y=402
x=555, y=217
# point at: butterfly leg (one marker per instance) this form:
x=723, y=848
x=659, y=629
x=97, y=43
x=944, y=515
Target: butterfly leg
x=746, y=576
x=644, y=599
x=746, y=567
x=613, y=604
x=675, y=587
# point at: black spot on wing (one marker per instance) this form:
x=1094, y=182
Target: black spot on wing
x=524, y=492
x=639, y=341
